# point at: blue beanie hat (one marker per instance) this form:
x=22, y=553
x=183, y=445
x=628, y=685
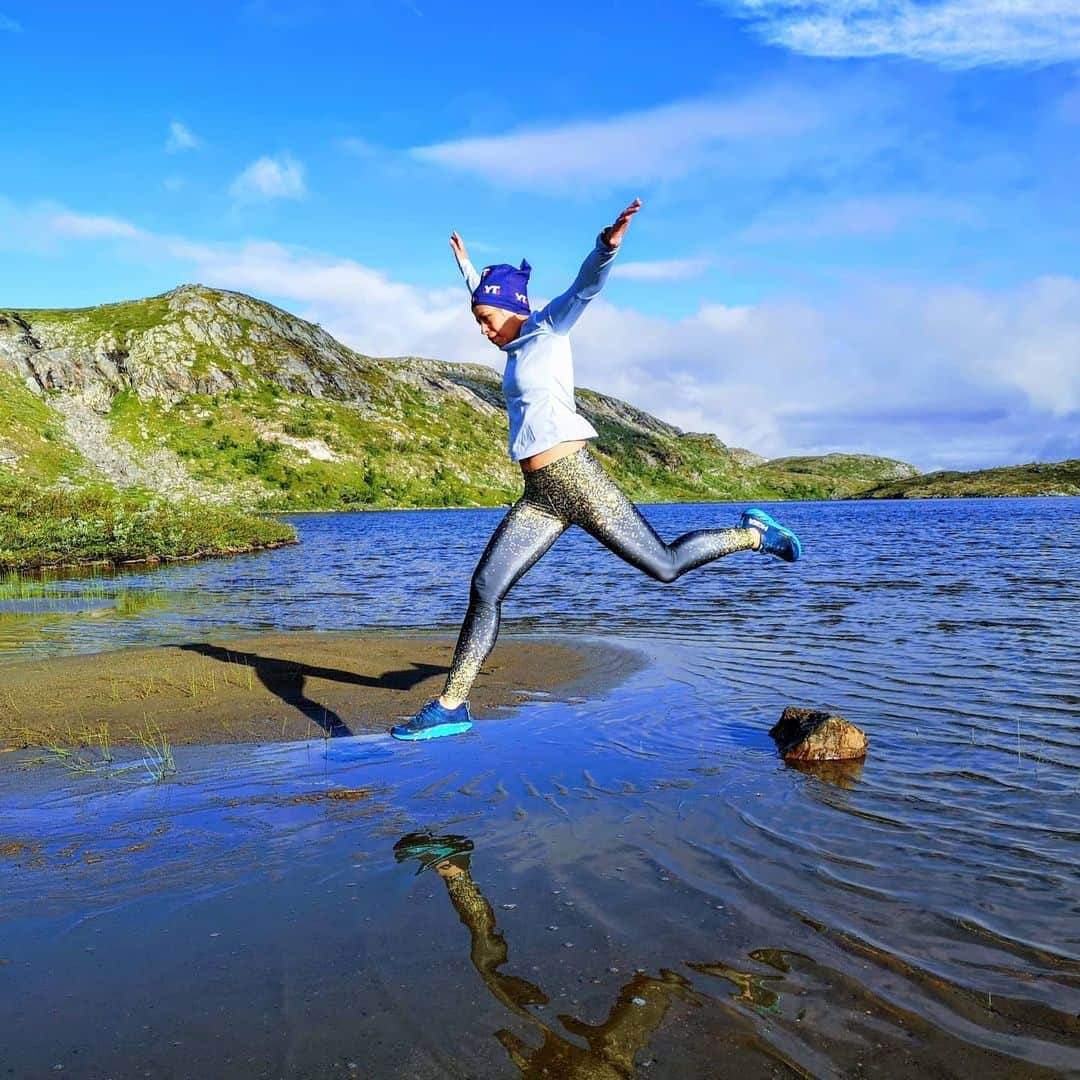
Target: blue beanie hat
x=504, y=286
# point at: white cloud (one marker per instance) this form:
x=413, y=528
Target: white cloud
x=358, y=304
x=65, y=223
x=943, y=377
x=10, y=25
x=940, y=376
x=175, y=182
x=280, y=177
x=658, y=143
x=181, y=137
x=952, y=33
x=361, y=147
x=662, y=269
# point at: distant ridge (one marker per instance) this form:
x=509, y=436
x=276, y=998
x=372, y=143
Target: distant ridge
x=202, y=391
x=1053, y=478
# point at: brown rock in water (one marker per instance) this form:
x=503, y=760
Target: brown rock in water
x=812, y=735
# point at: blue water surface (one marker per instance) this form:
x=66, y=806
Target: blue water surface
x=662, y=893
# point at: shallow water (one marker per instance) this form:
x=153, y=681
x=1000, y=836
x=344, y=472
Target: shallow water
x=918, y=914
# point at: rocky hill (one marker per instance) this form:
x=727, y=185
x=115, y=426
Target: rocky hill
x=1056, y=478
x=843, y=474
x=213, y=393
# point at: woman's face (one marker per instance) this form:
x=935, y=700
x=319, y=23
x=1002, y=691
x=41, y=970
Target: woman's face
x=500, y=327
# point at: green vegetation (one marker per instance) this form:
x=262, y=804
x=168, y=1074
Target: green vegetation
x=130, y=316
x=669, y=468
x=74, y=748
x=96, y=523
x=157, y=750
x=831, y=476
x=33, y=433
x=1057, y=478
x=230, y=438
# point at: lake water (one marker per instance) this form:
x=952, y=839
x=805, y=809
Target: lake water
x=639, y=884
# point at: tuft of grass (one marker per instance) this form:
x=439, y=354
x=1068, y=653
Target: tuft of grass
x=157, y=750
x=41, y=528
x=103, y=737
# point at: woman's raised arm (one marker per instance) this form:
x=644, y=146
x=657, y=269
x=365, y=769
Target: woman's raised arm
x=468, y=271
x=564, y=310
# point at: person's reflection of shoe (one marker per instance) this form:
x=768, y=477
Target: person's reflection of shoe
x=431, y=850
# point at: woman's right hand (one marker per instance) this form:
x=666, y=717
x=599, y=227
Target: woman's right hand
x=458, y=246
x=613, y=234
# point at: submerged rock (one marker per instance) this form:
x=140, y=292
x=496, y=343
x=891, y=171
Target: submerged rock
x=841, y=774
x=813, y=735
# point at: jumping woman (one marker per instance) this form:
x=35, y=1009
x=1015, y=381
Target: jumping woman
x=564, y=483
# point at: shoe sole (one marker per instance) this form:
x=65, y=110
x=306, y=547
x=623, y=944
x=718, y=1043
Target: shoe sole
x=774, y=524
x=437, y=731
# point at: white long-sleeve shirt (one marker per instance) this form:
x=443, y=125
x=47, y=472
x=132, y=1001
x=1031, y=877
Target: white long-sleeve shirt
x=538, y=382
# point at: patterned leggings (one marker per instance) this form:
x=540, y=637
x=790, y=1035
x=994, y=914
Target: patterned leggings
x=574, y=490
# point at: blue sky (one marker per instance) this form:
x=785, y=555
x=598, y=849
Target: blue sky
x=859, y=232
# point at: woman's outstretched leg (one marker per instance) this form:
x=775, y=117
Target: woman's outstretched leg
x=584, y=490
x=521, y=538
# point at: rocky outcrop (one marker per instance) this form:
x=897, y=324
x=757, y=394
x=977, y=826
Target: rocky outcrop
x=806, y=735
x=600, y=407
x=192, y=340
x=846, y=465
x=473, y=384
x=747, y=458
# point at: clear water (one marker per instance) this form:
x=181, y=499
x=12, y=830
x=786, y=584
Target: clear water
x=918, y=914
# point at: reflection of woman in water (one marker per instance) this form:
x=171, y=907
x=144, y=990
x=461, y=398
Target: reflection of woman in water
x=612, y=1046
x=565, y=484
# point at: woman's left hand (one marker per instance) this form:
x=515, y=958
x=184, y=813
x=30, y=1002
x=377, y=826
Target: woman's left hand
x=613, y=234
x=458, y=246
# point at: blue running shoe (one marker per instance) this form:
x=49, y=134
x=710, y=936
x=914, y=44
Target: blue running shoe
x=434, y=721
x=775, y=539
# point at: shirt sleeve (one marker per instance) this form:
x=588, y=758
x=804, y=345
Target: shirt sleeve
x=562, y=312
x=468, y=272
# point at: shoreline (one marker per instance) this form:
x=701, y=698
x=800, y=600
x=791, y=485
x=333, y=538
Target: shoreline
x=279, y=687
x=148, y=560
x=732, y=500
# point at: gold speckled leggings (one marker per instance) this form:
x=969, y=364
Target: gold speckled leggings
x=574, y=490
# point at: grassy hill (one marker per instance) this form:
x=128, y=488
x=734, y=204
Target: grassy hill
x=213, y=394
x=1057, y=478
x=839, y=475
